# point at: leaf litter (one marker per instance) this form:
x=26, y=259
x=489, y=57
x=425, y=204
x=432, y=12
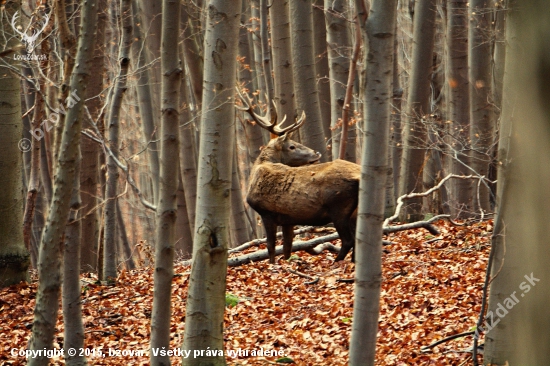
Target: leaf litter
x=431, y=289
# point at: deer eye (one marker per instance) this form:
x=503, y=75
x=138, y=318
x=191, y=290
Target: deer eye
x=292, y=147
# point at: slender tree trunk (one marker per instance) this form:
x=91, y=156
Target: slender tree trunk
x=415, y=135
x=507, y=244
x=257, y=47
x=321, y=66
x=339, y=45
x=89, y=173
x=239, y=223
x=45, y=313
x=396, y=128
x=282, y=58
x=192, y=50
x=206, y=298
x=459, y=104
x=113, y=123
x=187, y=157
x=14, y=257
x=303, y=69
x=184, y=236
x=169, y=180
x=378, y=33
x=481, y=108
x=124, y=243
x=72, y=305
x=266, y=51
x=145, y=99
x=152, y=17
x=33, y=181
x=499, y=54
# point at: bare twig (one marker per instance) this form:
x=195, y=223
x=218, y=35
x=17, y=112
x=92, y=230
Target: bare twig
x=449, y=338
x=313, y=281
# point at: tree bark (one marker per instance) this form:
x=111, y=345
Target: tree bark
x=206, y=298
x=187, y=157
x=481, y=108
x=145, y=101
x=303, y=70
x=378, y=33
x=72, y=305
x=89, y=173
x=415, y=137
x=169, y=181
x=282, y=58
x=113, y=123
x=14, y=257
x=459, y=105
x=528, y=197
x=339, y=45
x=45, y=313
x=239, y=222
x=184, y=236
x=321, y=67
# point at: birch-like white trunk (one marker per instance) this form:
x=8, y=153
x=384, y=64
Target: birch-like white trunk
x=206, y=298
x=49, y=265
x=168, y=182
x=14, y=257
x=378, y=33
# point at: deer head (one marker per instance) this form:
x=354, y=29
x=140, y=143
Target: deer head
x=281, y=149
x=29, y=39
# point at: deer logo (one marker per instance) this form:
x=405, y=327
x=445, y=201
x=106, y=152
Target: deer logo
x=25, y=37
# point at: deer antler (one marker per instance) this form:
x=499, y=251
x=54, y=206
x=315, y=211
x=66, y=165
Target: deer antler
x=272, y=126
x=44, y=25
x=14, y=26
x=25, y=37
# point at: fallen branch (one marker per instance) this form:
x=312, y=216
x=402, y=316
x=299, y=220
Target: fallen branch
x=449, y=338
x=400, y=200
x=313, y=281
x=257, y=242
x=427, y=224
x=296, y=246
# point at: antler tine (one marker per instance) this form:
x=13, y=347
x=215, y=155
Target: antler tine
x=293, y=127
x=263, y=121
x=13, y=19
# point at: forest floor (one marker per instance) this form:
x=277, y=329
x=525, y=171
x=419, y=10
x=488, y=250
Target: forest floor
x=431, y=289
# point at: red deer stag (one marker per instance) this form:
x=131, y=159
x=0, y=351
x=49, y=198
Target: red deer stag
x=287, y=188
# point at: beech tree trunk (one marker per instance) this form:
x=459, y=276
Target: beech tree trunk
x=282, y=58
x=339, y=51
x=321, y=67
x=206, y=297
x=113, y=123
x=14, y=257
x=145, y=101
x=72, y=305
x=458, y=105
x=89, y=172
x=415, y=136
x=49, y=271
x=303, y=69
x=528, y=197
x=378, y=33
x=168, y=182
x=481, y=108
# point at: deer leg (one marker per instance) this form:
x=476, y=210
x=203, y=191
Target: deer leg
x=271, y=237
x=288, y=236
x=347, y=235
